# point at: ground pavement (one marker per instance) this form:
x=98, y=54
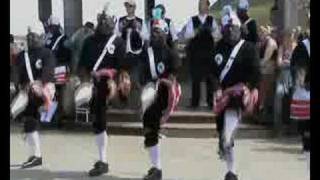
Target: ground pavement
x=69, y=155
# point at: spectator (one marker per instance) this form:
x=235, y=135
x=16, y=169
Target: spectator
x=249, y=26
x=283, y=78
x=57, y=42
x=75, y=44
x=300, y=68
x=268, y=56
x=129, y=28
x=201, y=31
x=172, y=34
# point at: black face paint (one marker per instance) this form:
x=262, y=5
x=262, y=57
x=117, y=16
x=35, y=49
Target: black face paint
x=231, y=34
x=33, y=40
x=242, y=14
x=158, y=38
x=106, y=24
x=54, y=29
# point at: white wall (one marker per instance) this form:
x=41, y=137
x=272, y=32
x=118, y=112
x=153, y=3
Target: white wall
x=22, y=14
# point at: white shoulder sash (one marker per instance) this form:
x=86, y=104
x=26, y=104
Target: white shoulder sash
x=57, y=42
x=152, y=63
x=247, y=21
x=231, y=59
x=28, y=66
x=104, y=51
x=306, y=43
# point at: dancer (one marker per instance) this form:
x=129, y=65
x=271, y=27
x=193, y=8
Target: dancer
x=55, y=40
x=160, y=94
x=236, y=76
x=35, y=68
x=101, y=57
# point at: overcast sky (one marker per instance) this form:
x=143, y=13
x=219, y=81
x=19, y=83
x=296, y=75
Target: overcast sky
x=25, y=12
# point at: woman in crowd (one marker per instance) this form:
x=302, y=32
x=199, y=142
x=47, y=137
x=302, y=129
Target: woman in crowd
x=283, y=77
x=268, y=56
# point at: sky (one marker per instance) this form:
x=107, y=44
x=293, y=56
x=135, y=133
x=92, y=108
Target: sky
x=24, y=13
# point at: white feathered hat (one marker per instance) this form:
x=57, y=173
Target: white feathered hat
x=227, y=9
x=243, y=4
x=231, y=18
x=37, y=28
x=53, y=20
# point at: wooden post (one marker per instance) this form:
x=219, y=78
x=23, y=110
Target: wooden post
x=72, y=15
x=149, y=5
x=45, y=9
x=284, y=14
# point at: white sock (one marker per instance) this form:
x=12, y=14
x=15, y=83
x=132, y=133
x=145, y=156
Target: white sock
x=102, y=140
x=231, y=121
x=230, y=160
x=307, y=155
x=33, y=142
x=154, y=153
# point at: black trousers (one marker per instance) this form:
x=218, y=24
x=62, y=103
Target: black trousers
x=98, y=106
x=196, y=91
x=31, y=114
x=60, y=110
x=152, y=117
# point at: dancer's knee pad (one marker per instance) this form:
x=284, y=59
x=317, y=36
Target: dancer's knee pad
x=30, y=124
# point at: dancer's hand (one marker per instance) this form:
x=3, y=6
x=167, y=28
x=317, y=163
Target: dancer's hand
x=36, y=88
x=94, y=73
x=218, y=93
x=255, y=95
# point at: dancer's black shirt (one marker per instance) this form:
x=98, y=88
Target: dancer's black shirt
x=42, y=63
x=245, y=68
x=166, y=62
x=92, y=49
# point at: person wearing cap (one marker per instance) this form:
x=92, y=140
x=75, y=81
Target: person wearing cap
x=236, y=75
x=249, y=25
x=161, y=92
x=129, y=28
x=56, y=41
x=35, y=76
x=201, y=31
x=101, y=57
